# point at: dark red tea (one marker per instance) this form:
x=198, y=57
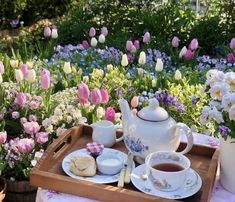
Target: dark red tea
x=168, y=167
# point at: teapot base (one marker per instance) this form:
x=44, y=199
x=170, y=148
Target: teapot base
x=139, y=159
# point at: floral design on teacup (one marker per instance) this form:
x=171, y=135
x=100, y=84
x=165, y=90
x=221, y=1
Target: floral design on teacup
x=160, y=184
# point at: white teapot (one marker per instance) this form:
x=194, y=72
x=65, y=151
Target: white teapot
x=151, y=130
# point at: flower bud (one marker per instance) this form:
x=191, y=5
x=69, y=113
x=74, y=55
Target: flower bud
x=24, y=68
x=85, y=44
x=47, y=32
x=142, y=58
x=175, y=42
x=193, y=44
x=182, y=52
x=159, y=65
x=146, y=38
x=2, y=69
x=133, y=49
x=189, y=55
x=31, y=76
x=104, y=31
x=92, y=32
x=134, y=102
x=124, y=61
x=14, y=63
x=95, y=96
x=45, y=79
x=93, y=42
x=137, y=44
x=178, y=75
x=67, y=68
x=19, y=75
x=101, y=38
x=129, y=45
x=54, y=33
x=104, y=95
x=232, y=43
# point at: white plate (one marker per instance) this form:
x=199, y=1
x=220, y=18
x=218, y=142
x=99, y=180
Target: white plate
x=99, y=177
x=192, y=185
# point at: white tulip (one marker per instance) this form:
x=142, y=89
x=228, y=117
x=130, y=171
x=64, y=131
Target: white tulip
x=101, y=38
x=31, y=76
x=124, y=61
x=100, y=112
x=67, y=68
x=232, y=113
x=159, y=65
x=178, y=75
x=30, y=64
x=94, y=42
x=142, y=58
x=1, y=78
x=54, y=33
x=14, y=63
x=85, y=79
x=154, y=83
x=182, y=52
x=19, y=75
x=133, y=49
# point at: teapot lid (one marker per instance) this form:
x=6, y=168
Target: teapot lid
x=153, y=112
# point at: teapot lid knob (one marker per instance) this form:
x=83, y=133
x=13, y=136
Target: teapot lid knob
x=153, y=103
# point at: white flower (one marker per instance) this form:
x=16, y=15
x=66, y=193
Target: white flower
x=57, y=111
x=230, y=79
x=232, y=113
x=14, y=63
x=94, y=42
x=67, y=68
x=101, y=38
x=213, y=76
x=60, y=131
x=159, y=65
x=178, y=75
x=124, y=61
x=182, y=52
x=33, y=162
x=49, y=129
x=142, y=58
x=227, y=101
x=1, y=78
x=30, y=64
x=85, y=79
x=54, y=33
x=154, y=83
x=31, y=76
x=19, y=75
x=218, y=90
x=69, y=119
x=216, y=115
x=100, y=112
x=109, y=67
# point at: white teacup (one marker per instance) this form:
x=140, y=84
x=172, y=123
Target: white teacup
x=104, y=132
x=167, y=170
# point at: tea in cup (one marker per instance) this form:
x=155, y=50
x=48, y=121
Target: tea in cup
x=167, y=170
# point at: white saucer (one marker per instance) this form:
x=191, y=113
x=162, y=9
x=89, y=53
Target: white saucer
x=99, y=177
x=191, y=186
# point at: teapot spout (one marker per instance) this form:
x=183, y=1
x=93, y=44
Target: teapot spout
x=125, y=109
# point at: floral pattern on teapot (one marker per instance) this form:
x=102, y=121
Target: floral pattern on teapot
x=135, y=144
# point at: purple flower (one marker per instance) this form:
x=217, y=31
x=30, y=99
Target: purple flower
x=14, y=22
x=230, y=58
x=180, y=107
x=31, y=127
x=25, y=145
x=224, y=131
x=23, y=120
x=32, y=118
x=21, y=99
x=15, y=115
x=194, y=100
x=85, y=44
x=42, y=137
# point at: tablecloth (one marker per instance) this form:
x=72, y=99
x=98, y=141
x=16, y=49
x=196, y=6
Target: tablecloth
x=219, y=194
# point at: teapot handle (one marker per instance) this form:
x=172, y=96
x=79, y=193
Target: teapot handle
x=188, y=133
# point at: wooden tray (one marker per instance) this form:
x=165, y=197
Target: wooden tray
x=48, y=172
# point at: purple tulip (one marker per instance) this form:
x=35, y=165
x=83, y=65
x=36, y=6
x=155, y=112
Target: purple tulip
x=21, y=99
x=193, y=44
x=3, y=137
x=31, y=127
x=41, y=137
x=25, y=69
x=232, y=43
x=95, y=96
x=83, y=93
x=230, y=58
x=85, y=44
x=189, y=55
x=110, y=114
x=104, y=95
x=104, y=31
x=129, y=45
x=25, y=145
x=146, y=38
x=2, y=69
x=175, y=42
x=92, y=32
x=45, y=79
x=47, y=32
x=137, y=44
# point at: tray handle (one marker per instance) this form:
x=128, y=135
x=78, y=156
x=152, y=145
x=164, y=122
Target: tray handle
x=63, y=142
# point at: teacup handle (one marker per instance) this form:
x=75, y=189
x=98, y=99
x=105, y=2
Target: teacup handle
x=119, y=127
x=188, y=133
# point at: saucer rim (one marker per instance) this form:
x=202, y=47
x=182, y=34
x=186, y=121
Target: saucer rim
x=197, y=186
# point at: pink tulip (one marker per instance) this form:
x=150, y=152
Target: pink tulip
x=47, y=32
x=92, y=32
x=25, y=145
x=45, y=79
x=23, y=120
x=146, y=38
x=129, y=45
x=104, y=31
x=20, y=99
x=3, y=137
x=135, y=102
x=24, y=68
x=85, y=44
x=41, y=137
x=175, y=42
x=137, y=44
x=95, y=96
x=189, y=55
x=31, y=127
x=230, y=58
x=104, y=95
x=83, y=93
x=193, y=44
x=110, y=114
x=232, y=43
x=2, y=69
